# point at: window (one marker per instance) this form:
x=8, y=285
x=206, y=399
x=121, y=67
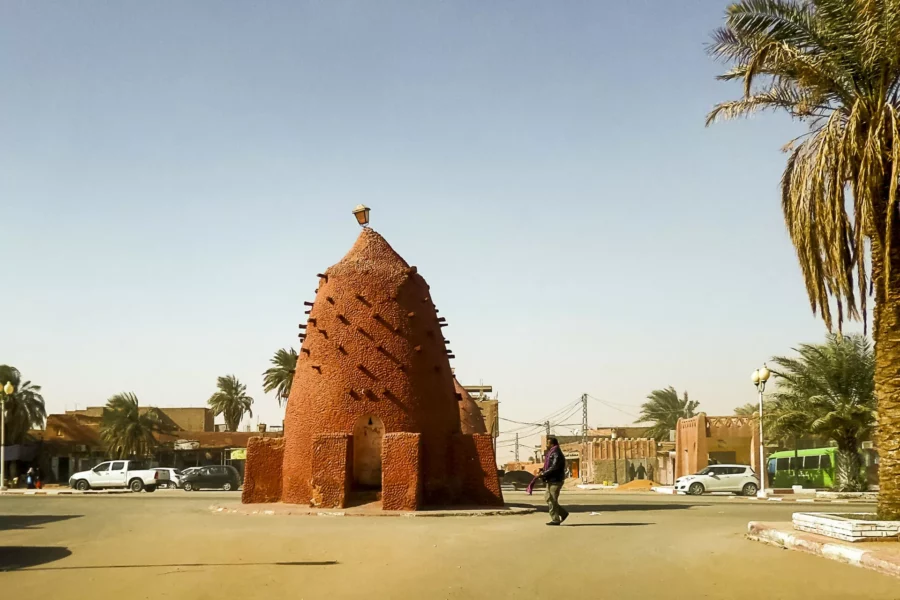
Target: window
x=811, y=462
x=782, y=464
x=737, y=470
x=118, y=466
x=795, y=463
x=101, y=468
x=718, y=471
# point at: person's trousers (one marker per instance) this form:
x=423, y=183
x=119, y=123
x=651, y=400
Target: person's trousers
x=551, y=496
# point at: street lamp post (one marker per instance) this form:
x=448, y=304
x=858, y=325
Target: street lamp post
x=8, y=389
x=759, y=378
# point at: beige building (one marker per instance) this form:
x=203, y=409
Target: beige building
x=178, y=418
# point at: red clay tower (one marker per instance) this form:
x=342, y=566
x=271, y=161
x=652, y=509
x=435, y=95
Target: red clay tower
x=373, y=404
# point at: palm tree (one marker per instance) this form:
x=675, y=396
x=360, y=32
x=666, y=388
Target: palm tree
x=280, y=376
x=746, y=410
x=24, y=407
x=232, y=401
x=663, y=409
x=126, y=430
x=829, y=390
x=834, y=65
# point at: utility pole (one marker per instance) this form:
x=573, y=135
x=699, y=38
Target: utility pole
x=547, y=425
x=517, y=447
x=584, y=438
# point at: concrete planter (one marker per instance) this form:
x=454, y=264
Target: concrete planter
x=849, y=527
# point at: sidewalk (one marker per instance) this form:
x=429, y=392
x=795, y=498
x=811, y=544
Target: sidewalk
x=780, y=495
x=60, y=492
x=800, y=499
x=883, y=557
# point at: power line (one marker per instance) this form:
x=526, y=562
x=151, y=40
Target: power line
x=608, y=405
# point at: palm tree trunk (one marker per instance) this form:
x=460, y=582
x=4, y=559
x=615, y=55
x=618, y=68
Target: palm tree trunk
x=847, y=470
x=887, y=382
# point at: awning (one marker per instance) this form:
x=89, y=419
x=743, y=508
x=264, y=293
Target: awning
x=23, y=452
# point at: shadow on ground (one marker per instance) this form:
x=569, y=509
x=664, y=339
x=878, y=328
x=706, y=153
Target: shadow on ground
x=320, y=563
x=30, y=521
x=582, y=508
x=22, y=557
x=608, y=524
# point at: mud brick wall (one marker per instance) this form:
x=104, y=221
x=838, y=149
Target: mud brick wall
x=401, y=471
x=262, y=471
x=473, y=460
x=471, y=420
x=331, y=469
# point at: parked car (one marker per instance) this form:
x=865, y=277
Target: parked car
x=174, y=477
x=132, y=474
x=219, y=477
x=738, y=479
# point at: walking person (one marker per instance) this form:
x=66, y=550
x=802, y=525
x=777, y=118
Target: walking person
x=29, y=479
x=554, y=473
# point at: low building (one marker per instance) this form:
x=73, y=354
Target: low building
x=189, y=418
x=71, y=442
x=702, y=440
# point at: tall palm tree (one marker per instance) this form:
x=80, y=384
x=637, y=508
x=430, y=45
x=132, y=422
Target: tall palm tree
x=126, y=430
x=829, y=390
x=231, y=400
x=24, y=407
x=280, y=376
x=663, y=408
x=834, y=65
x=746, y=410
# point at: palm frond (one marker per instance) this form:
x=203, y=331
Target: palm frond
x=832, y=63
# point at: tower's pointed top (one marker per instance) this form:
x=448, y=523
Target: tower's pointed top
x=372, y=248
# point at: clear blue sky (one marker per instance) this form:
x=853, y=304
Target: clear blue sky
x=174, y=174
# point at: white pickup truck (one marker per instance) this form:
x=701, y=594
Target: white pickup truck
x=131, y=474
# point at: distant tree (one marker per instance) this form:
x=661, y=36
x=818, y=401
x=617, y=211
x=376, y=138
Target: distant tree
x=280, y=376
x=127, y=431
x=829, y=389
x=663, y=408
x=24, y=407
x=746, y=410
x=231, y=400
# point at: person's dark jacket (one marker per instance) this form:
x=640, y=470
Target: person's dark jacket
x=556, y=468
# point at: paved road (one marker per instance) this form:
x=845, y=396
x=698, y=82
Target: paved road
x=169, y=545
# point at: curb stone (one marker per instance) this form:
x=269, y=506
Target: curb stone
x=884, y=562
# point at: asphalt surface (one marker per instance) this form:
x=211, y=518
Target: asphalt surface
x=170, y=545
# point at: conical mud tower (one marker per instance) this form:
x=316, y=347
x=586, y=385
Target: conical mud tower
x=373, y=405
x=470, y=418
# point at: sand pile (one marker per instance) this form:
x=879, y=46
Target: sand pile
x=638, y=485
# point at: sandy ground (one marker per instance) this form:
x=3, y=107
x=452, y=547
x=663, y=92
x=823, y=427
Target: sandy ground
x=170, y=545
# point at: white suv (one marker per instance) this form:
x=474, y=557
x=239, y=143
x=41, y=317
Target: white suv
x=739, y=479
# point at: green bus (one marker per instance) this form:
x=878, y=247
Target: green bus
x=813, y=468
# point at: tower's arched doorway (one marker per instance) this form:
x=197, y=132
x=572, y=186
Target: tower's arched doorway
x=367, y=434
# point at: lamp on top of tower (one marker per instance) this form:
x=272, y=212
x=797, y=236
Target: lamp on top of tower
x=361, y=212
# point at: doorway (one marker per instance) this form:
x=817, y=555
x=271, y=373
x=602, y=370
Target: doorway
x=367, y=434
